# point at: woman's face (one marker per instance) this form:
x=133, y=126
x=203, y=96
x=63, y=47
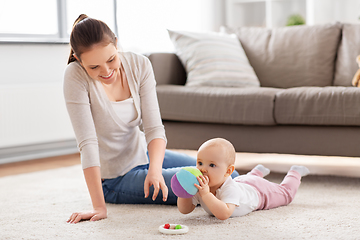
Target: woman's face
x=102, y=63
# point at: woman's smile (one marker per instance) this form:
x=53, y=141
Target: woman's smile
x=108, y=76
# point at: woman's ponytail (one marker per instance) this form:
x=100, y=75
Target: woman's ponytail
x=85, y=33
x=79, y=19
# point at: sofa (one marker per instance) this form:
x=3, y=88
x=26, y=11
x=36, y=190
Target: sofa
x=304, y=102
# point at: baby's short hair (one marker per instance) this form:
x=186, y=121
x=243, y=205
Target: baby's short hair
x=230, y=153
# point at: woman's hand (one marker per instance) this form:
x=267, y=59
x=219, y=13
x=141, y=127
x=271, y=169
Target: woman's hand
x=94, y=215
x=93, y=181
x=155, y=179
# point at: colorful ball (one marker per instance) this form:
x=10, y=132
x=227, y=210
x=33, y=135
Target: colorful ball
x=182, y=183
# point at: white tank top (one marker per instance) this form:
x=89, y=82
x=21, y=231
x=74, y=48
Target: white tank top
x=125, y=110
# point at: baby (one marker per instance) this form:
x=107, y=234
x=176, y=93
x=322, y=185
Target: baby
x=224, y=197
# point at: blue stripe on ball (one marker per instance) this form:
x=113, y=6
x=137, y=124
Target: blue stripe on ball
x=177, y=189
x=187, y=180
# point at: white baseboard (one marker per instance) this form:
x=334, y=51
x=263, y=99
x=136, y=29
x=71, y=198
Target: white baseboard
x=36, y=151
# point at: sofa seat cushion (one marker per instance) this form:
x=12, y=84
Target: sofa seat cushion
x=318, y=106
x=252, y=106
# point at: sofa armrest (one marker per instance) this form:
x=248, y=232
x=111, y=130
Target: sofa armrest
x=167, y=68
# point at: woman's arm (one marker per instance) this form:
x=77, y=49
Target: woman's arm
x=76, y=93
x=93, y=182
x=154, y=177
x=152, y=125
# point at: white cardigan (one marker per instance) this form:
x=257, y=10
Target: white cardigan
x=102, y=137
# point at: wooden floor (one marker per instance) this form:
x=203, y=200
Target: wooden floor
x=39, y=164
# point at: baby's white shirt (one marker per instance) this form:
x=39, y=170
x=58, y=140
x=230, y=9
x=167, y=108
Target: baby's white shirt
x=242, y=195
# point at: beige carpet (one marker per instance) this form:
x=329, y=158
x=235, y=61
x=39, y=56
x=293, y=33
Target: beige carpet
x=37, y=205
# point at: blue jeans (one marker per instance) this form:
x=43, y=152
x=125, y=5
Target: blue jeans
x=129, y=189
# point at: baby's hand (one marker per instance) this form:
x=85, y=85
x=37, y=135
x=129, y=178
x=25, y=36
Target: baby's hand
x=204, y=185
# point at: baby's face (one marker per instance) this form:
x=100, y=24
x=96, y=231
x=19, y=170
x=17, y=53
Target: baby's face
x=211, y=162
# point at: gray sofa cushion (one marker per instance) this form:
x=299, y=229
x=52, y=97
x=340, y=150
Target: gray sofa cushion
x=217, y=105
x=292, y=56
x=167, y=68
x=318, y=106
x=349, y=48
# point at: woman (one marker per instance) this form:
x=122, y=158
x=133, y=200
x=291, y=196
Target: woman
x=108, y=96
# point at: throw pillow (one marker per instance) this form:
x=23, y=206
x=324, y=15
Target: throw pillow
x=213, y=59
x=293, y=56
x=349, y=49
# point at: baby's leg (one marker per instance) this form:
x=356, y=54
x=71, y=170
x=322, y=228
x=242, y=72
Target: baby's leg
x=289, y=186
x=291, y=182
x=259, y=171
x=272, y=194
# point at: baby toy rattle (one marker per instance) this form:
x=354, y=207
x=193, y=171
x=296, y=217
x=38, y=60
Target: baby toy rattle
x=173, y=229
x=182, y=183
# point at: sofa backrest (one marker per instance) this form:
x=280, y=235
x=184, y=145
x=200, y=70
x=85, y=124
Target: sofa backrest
x=292, y=56
x=167, y=68
x=349, y=49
